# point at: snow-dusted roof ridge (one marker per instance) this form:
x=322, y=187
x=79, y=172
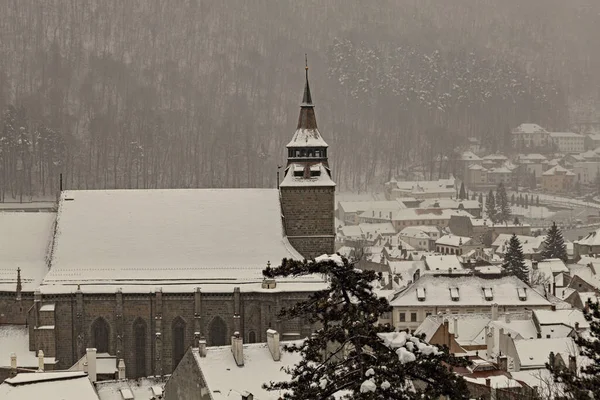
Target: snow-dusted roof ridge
x=307, y=138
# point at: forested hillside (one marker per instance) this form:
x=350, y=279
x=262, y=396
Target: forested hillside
x=191, y=93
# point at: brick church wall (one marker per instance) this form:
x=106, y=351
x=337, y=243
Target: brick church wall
x=258, y=311
x=309, y=214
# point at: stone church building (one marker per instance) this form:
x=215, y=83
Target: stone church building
x=142, y=274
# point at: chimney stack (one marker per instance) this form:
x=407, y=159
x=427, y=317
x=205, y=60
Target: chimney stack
x=553, y=306
x=455, y=327
x=494, y=312
x=247, y=395
x=13, y=361
x=90, y=355
x=202, y=347
x=273, y=344
x=40, y=361
x=121, y=368
x=576, y=326
x=503, y=362
x=237, y=348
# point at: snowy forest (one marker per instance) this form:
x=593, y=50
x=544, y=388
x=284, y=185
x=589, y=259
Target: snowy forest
x=192, y=93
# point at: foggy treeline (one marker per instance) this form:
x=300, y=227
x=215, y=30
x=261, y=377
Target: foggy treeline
x=190, y=93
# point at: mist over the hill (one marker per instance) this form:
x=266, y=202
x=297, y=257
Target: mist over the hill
x=190, y=93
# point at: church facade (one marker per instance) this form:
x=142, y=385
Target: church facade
x=143, y=274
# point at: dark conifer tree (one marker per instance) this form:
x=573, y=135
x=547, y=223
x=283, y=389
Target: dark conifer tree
x=512, y=199
x=474, y=196
x=537, y=201
x=514, y=261
x=554, y=245
x=481, y=199
x=350, y=355
x=586, y=383
x=490, y=206
x=503, y=208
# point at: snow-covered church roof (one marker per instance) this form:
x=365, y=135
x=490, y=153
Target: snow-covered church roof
x=167, y=237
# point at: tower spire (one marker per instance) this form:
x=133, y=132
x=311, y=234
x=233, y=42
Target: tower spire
x=307, y=119
x=307, y=98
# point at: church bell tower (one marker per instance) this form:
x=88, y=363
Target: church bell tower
x=307, y=191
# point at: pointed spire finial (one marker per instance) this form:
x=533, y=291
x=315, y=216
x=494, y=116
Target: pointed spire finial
x=307, y=99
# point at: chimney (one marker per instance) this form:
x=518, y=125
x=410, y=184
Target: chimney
x=539, y=335
x=488, y=382
x=554, y=288
x=13, y=364
x=573, y=364
x=455, y=327
x=503, y=362
x=494, y=312
x=534, y=265
x=247, y=395
x=202, y=347
x=237, y=348
x=90, y=355
x=40, y=361
x=576, y=326
x=553, y=306
x=273, y=344
x=121, y=368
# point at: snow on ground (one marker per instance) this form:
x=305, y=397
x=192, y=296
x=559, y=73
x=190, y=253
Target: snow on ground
x=533, y=212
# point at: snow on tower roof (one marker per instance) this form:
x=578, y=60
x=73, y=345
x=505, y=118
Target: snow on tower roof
x=529, y=128
x=24, y=240
x=321, y=177
x=145, y=237
x=307, y=138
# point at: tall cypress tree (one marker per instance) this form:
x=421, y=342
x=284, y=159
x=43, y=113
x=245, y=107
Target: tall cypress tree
x=352, y=356
x=490, y=206
x=554, y=245
x=503, y=208
x=462, y=194
x=514, y=261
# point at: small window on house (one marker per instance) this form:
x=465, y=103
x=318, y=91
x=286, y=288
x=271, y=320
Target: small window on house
x=413, y=317
x=421, y=294
x=522, y=292
x=488, y=294
x=454, y=294
x=402, y=317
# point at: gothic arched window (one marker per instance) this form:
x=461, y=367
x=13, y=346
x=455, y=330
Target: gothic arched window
x=218, y=332
x=178, y=331
x=139, y=334
x=100, y=335
x=252, y=337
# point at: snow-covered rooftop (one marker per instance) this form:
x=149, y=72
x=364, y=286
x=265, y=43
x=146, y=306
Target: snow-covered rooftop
x=449, y=203
x=566, y=135
x=24, y=242
x=566, y=317
x=558, y=170
x=15, y=339
x=453, y=240
x=149, y=237
x=443, y=263
x=468, y=290
x=307, y=138
x=141, y=389
x=48, y=386
x=529, y=128
x=533, y=353
x=360, y=206
x=223, y=376
x=592, y=239
x=321, y=178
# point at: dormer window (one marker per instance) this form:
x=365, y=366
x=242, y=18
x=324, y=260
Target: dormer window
x=421, y=294
x=488, y=294
x=454, y=294
x=522, y=292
